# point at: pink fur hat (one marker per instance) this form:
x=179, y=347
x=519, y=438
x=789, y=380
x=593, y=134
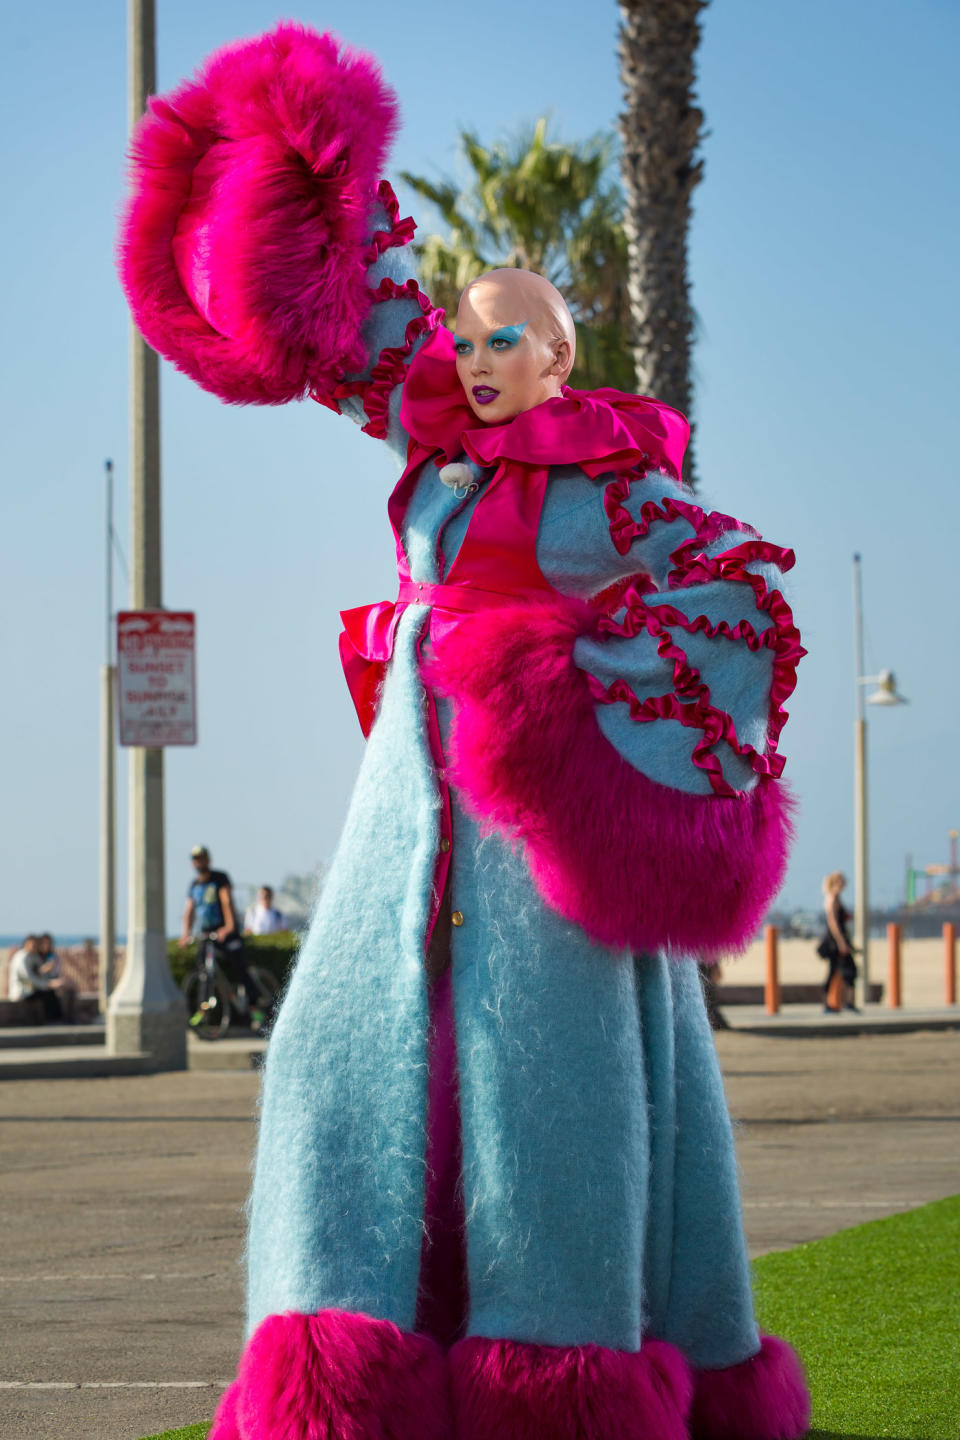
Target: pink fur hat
x=251, y=186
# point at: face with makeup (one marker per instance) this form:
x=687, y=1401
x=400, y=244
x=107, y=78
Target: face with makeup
x=514, y=343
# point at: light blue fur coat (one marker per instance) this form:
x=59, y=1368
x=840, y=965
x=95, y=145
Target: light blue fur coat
x=599, y=1175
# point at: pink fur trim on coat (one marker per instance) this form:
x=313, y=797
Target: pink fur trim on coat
x=311, y=1377
x=635, y=863
x=503, y=1390
x=241, y=249
x=765, y=1398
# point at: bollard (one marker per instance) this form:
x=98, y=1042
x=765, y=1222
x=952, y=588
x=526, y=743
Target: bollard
x=950, y=961
x=771, y=990
x=893, y=986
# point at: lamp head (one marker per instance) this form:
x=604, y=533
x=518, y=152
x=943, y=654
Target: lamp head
x=886, y=691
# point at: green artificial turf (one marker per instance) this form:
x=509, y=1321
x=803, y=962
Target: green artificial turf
x=873, y=1312
x=186, y=1432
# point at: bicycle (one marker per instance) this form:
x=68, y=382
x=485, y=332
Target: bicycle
x=213, y=1002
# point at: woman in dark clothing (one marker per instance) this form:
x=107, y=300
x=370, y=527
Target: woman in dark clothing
x=837, y=947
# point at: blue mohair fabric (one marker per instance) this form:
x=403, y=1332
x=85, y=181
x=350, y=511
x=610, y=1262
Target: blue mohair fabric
x=553, y=1108
x=577, y=555
x=435, y=511
x=599, y=1171
x=336, y=1214
x=385, y=326
x=695, y=1261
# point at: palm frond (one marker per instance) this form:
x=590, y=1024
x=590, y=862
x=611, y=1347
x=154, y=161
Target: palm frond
x=545, y=205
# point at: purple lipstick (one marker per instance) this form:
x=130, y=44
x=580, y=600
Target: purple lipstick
x=484, y=394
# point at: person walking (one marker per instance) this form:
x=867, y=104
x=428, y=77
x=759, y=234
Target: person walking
x=837, y=947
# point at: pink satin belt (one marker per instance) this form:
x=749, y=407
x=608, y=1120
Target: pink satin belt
x=366, y=642
x=460, y=599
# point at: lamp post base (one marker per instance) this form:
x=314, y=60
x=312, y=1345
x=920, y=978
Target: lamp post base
x=161, y=1034
x=146, y=1012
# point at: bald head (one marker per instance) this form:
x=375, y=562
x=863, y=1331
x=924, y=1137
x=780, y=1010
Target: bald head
x=515, y=342
x=499, y=291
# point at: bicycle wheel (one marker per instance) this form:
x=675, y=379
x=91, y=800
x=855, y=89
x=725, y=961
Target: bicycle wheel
x=208, y=1005
x=267, y=981
x=264, y=1009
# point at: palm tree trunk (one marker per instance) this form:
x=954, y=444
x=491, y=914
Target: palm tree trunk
x=660, y=130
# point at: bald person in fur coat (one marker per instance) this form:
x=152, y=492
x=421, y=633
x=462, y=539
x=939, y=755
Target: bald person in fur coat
x=495, y=1193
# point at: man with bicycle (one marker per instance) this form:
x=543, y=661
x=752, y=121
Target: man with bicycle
x=209, y=913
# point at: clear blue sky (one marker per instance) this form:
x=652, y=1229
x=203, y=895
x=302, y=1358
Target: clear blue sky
x=824, y=266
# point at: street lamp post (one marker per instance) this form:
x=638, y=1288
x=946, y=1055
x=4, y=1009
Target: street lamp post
x=146, y=1010
x=885, y=694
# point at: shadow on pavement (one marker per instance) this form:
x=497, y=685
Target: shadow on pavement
x=124, y=1119
x=848, y=1435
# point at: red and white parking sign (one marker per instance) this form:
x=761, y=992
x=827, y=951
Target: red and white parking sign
x=156, y=677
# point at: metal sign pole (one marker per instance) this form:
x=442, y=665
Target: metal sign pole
x=861, y=846
x=108, y=816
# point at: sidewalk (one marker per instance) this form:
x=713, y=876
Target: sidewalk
x=797, y=1020
x=120, y=1276
x=76, y=1051
x=73, y=1052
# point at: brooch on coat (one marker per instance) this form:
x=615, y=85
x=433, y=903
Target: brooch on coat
x=460, y=478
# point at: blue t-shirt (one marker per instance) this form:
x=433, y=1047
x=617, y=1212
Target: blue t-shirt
x=205, y=894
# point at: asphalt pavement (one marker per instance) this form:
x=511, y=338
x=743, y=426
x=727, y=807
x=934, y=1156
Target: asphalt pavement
x=121, y=1198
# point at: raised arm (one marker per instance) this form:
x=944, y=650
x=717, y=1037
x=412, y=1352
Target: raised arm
x=399, y=320
x=260, y=250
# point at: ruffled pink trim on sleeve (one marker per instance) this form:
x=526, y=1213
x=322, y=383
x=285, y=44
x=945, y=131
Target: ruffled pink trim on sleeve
x=390, y=369
x=690, y=703
x=401, y=232
x=624, y=529
x=635, y=863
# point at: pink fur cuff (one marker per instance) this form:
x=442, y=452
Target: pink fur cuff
x=303, y=1377
x=503, y=1390
x=765, y=1398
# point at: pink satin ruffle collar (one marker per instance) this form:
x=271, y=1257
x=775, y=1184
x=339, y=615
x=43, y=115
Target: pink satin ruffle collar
x=599, y=430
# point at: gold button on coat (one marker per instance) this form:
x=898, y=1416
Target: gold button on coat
x=444, y=845
x=456, y=918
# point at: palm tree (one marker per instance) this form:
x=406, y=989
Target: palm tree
x=660, y=130
x=542, y=205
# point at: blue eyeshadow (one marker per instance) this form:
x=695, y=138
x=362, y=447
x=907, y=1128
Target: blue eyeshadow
x=508, y=332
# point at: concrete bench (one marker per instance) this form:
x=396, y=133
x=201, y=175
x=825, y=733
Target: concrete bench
x=14, y=1013
x=21, y=1012
x=789, y=994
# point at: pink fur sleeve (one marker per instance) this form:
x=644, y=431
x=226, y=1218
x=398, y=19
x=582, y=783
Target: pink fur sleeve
x=635, y=863
x=246, y=241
